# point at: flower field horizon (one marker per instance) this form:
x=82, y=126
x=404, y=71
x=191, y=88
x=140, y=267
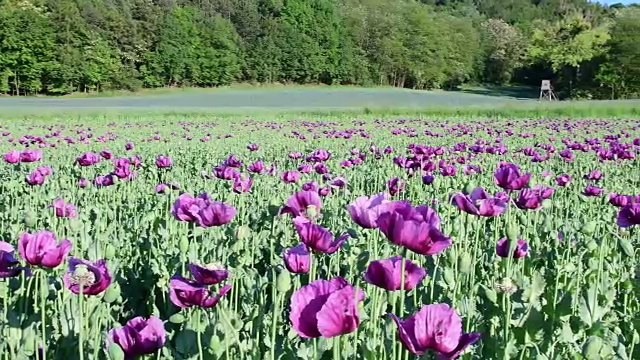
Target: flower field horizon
x=320, y=238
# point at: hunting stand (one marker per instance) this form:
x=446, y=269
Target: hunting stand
x=546, y=91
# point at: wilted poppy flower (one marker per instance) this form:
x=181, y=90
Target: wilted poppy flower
x=297, y=259
x=303, y=203
x=139, y=336
x=93, y=277
x=594, y=175
x=591, y=190
x=396, y=186
x=316, y=237
x=365, y=210
x=29, y=155
x=521, y=249
x=88, y=159
x=163, y=161
x=416, y=229
x=42, y=249
x=64, y=209
x=479, y=202
x=242, y=184
x=185, y=293
x=12, y=157
x=435, y=327
x=629, y=216
x=508, y=177
x=563, y=180
x=8, y=263
x=210, y=274
x=387, y=274
x=325, y=308
x=623, y=200
x=290, y=176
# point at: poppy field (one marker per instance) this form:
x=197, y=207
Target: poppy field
x=321, y=238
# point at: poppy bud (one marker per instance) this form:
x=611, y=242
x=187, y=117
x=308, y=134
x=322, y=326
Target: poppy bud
x=177, y=318
x=512, y=232
x=591, y=348
x=112, y=294
x=283, y=281
x=589, y=228
x=115, y=352
x=465, y=263
x=184, y=245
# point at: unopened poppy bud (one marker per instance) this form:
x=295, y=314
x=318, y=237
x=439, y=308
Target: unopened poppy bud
x=112, y=294
x=465, y=263
x=512, y=232
x=184, y=245
x=242, y=232
x=592, y=245
x=589, y=228
x=591, y=348
x=177, y=318
x=283, y=281
x=115, y=352
x=30, y=218
x=626, y=247
x=109, y=252
x=468, y=189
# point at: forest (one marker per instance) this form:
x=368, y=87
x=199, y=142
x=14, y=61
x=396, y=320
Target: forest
x=57, y=47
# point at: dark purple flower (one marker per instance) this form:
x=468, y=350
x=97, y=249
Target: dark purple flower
x=325, y=308
x=106, y=154
x=12, y=157
x=163, y=161
x=623, y=200
x=479, y=202
x=128, y=146
x=8, y=263
x=508, y=177
x=592, y=190
x=42, y=249
x=82, y=183
x=185, y=293
x=529, y=199
x=225, y=172
x=521, y=248
x=435, y=327
x=256, y=167
x=365, y=210
x=563, y=180
x=253, y=147
x=629, y=216
x=387, y=274
x=202, y=210
x=88, y=159
x=297, y=259
x=29, y=155
x=35, y=178
x=242, y=184
x=106, y=180
x=139, y=336
x=290, y=176
x=93, y=277
x=316, y=237
x=396, y=186
x=594, y=175
x=210, y=274
x=428, y=179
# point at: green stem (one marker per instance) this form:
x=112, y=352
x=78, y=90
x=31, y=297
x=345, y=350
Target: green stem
x=81, y=323
x=199, y=334
x=43, y=314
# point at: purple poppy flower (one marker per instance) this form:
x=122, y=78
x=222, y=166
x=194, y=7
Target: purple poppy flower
x=253, y=147
x=94, y=277
x=210, y=274
x=326, y=308
x=29, y=155
x=82, y=183
x=290, y=176
x=139, y=336
x=479, y=202
x=417, y=229
x=338, y=182
x=529, y=199
x=8, y=263
x=106, y=180
x=64, y=209
x=185, y=293
x=316, y=237
x=88, y=159
x=301, y=202
x=297, y=259
x=242, y=184
x=311, y=186
x=623, y=200
x=387, y=274
x=202, y=210
x=256, y=167
x=233, y=161
x=128, y=146
x=365, y=210
x=186, y=208
x=594, y=175
x=396, y=186
x=563, y=180
x=435, y=327
x=508, y=177
x=321, y=155
x=324, y=191
x=12, y=157
x=629, y=216
x=161, y=188
x=321, y=168
x=42, y=249
x=106, y=154
x=592, y=190
x=295, y=155
x=305, y=168
x=35, y=178
x=448, y=170
x=428, y=179
x=225, y=172
x=521, y=250
x=163, y=161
